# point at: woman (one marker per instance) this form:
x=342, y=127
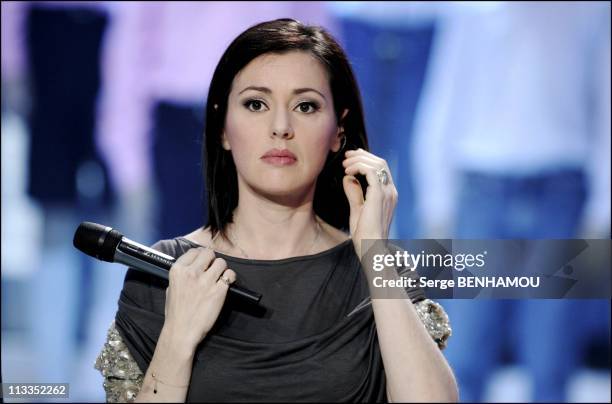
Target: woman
x=285, y=140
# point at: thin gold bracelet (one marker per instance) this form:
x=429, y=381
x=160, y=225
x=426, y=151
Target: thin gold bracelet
x=157, y=380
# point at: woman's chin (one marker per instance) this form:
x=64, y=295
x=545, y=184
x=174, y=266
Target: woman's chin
x=282, y=190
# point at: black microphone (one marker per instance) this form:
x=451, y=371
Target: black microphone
x=107, y=244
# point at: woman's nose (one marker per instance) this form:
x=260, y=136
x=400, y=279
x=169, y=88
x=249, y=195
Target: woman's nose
x=282, y=127
x=284, y=133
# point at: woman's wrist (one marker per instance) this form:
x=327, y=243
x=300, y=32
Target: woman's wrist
x=176, y=343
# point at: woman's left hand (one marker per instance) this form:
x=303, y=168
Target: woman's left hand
x=369, y=218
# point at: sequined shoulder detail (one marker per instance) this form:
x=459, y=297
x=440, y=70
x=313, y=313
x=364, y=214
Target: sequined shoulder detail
x=122, y=376
x=435, y=320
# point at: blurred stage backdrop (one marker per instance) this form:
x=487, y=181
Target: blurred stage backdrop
x=494, y=118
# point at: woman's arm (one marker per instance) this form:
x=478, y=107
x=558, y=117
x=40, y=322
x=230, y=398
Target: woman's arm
x=124, y=381
x=198, y=285
x=168, y=375
x=415, y=368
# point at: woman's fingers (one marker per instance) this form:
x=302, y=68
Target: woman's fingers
x=361, y=152
x=353, y=191
x=203, y=259
x=361, y=156
x=215, y=269
x=204, y=263
x=364, y=159
x=229, y=275
x=367, y=170
x=187, y=258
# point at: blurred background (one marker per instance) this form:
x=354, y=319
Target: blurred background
x=494, y=118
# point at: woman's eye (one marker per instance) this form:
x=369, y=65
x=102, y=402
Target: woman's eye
x=308, y=107
x=254, y=105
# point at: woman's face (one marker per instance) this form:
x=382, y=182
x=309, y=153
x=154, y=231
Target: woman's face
x=280, y=123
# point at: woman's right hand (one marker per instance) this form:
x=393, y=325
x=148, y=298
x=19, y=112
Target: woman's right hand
x=195, y=294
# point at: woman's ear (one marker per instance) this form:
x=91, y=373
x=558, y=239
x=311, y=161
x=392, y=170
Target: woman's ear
x=339, y=139
x=224, y=142
x=338, y=142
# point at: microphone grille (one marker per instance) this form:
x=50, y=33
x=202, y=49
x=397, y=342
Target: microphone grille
x=97, y=240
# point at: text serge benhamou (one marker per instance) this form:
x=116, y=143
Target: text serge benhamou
x=461, y=282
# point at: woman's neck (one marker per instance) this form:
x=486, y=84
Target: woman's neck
x=266, y=235
x=264, y=229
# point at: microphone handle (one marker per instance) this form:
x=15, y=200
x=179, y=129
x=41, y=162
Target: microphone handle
x=158, y=264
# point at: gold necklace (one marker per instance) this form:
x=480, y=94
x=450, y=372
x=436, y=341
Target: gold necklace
x=234, y=240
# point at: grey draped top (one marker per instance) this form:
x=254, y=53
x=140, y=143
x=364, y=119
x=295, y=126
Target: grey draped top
x=313, y=337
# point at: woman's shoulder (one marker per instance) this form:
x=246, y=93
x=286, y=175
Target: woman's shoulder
x=174, y=247
x=330, y=237
x=200, y=236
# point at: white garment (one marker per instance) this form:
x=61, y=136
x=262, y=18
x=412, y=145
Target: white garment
x=515, y=88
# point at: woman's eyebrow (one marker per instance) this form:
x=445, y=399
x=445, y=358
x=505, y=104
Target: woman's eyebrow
x=262, y=89
x=268, y=91
x=307, y=89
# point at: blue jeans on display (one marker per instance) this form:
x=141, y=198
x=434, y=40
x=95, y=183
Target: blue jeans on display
x=390, y=64
x=546, y=336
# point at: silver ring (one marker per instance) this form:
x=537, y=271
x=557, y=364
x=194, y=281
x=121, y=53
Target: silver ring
x=383, y=176
x=225, y=280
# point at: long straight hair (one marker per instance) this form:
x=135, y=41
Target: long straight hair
x=278, y=37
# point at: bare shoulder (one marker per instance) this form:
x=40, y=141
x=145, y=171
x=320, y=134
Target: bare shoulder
x=200, y=236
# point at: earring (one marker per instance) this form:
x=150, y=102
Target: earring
x=343, y=143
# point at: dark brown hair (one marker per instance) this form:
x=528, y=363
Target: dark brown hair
x=281, y=36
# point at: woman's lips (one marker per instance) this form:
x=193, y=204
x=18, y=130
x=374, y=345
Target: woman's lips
x=279, y=157
x=279, y=160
